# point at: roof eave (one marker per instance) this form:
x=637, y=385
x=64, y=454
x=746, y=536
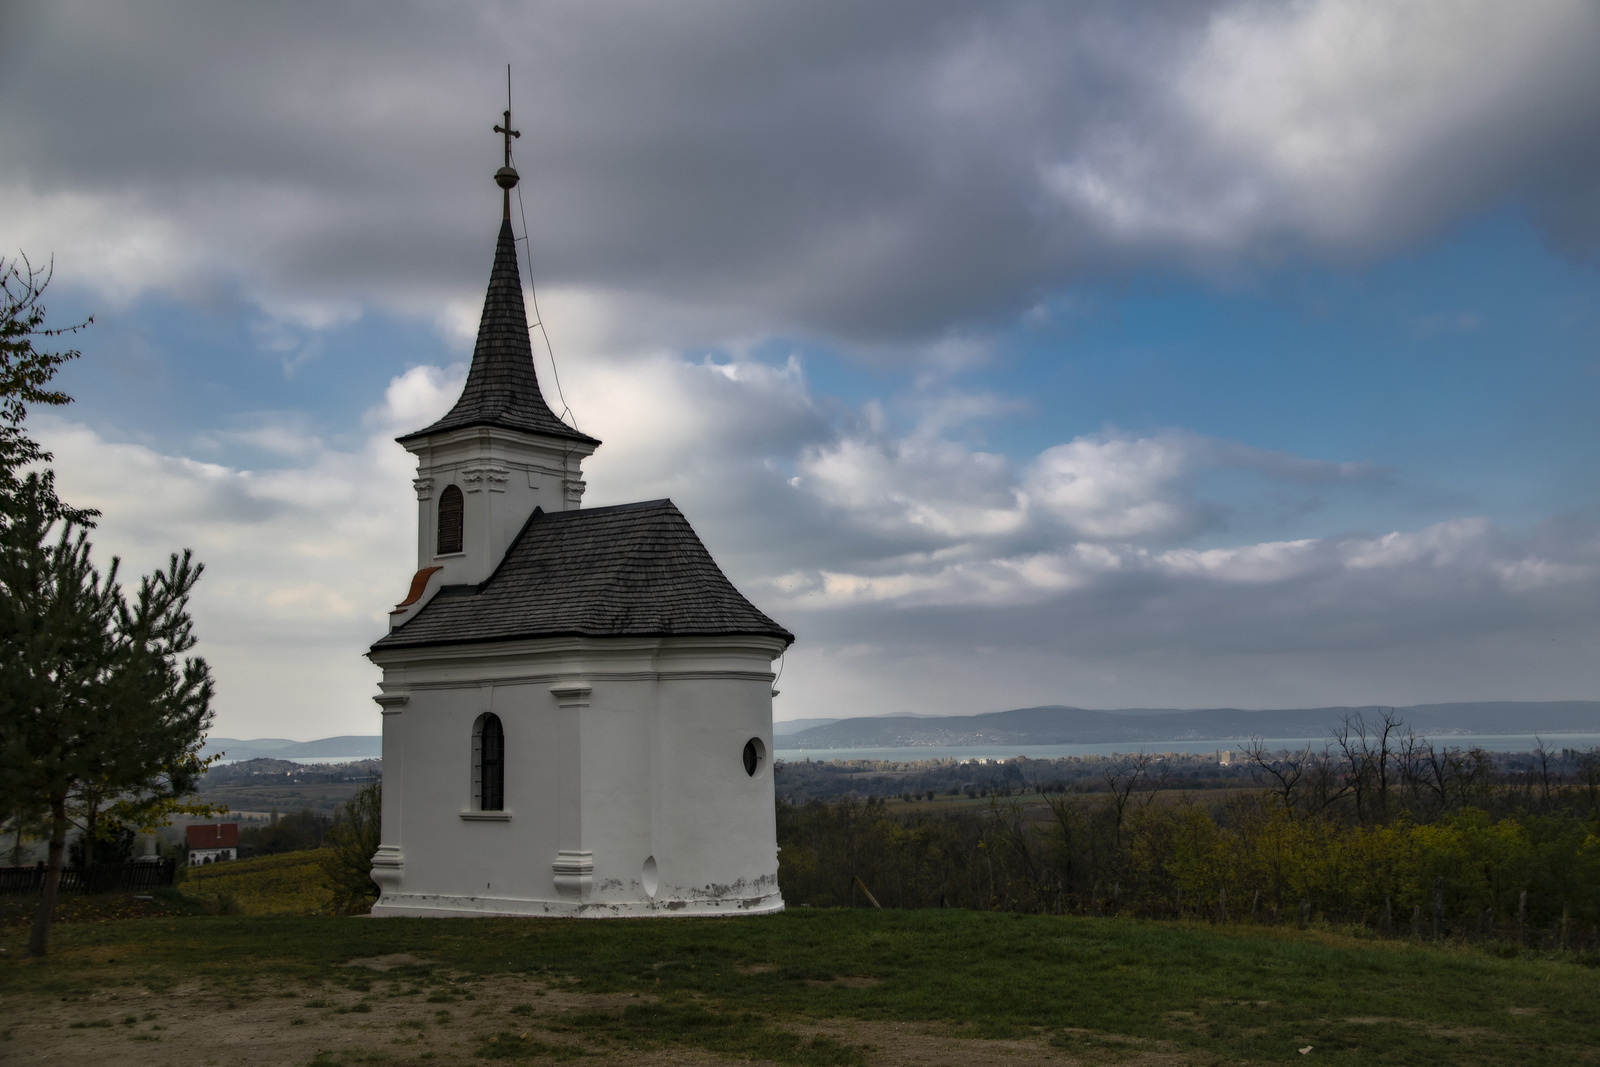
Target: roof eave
x=383, y=644
x=438, y=428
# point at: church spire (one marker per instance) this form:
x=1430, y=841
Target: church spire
x=502, y=387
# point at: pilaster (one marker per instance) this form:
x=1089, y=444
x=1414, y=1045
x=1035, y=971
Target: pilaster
x=574, y=864
x=388, y=863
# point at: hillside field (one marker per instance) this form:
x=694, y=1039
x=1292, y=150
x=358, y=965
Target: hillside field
x=810, y=986
x=292, y=883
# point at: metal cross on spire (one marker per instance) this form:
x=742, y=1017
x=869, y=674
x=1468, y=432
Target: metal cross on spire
x=510, y=133
x=506, y=177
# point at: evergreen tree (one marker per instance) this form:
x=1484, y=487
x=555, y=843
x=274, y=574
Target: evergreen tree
x=101, y=708
x=25, y=375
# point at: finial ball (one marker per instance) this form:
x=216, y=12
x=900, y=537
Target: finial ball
x=505, y=178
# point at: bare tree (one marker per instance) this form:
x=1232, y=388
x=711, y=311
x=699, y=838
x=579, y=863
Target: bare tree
x=1368, y=751
x=1454, y=778
x=1542, y=758
x=1589, y=776
x=1122, y=779
x=1327, y=785
x=1410, y=763
x=1283, y=775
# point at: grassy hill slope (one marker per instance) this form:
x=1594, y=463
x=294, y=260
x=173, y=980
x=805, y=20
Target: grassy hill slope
x=1093, y=988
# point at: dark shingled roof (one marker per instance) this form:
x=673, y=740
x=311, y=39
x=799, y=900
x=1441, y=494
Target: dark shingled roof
x=502, y=388
x=634, y=570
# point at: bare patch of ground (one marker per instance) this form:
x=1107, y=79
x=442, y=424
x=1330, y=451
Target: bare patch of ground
x=930, y=1045
x=433, y=1020
x=389, y=962
x=270, y=1023
x=851, y=981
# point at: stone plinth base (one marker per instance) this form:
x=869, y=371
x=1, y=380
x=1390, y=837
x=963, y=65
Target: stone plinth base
x=419, y=905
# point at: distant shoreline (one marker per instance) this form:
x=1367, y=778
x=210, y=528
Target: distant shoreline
x=914, y=753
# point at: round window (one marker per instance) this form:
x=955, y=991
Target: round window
x=755, y=757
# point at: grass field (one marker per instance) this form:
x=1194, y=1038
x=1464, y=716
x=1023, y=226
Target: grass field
x=805, y=987
x=292, y=883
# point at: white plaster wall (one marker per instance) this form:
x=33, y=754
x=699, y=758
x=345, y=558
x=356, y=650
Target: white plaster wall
x=718, y=832
x=651, y=767
x=451, y=856
x=615, y=754
x=503, y=475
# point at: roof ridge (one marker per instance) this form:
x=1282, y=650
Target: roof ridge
x=547, y=516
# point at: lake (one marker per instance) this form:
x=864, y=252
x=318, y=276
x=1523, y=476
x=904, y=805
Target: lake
x=1491, y=742
x=298, y=759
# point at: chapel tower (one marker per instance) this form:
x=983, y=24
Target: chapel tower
x=577, y=703
x=500, y=451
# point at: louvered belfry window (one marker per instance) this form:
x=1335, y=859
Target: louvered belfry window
x=450, y=520
x=491, y=765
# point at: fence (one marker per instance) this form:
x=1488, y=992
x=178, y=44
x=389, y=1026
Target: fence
x=100, y=878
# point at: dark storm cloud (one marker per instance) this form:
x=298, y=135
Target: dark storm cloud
x=873, y=172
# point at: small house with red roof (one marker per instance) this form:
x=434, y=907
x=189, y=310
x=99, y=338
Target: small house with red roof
x=212, y=842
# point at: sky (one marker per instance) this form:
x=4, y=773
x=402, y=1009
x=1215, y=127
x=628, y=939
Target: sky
x=1008, y=353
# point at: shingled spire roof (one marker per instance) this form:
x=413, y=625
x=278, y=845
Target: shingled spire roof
x=502, y=388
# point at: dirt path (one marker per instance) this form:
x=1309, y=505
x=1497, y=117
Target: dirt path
x=429, y=1021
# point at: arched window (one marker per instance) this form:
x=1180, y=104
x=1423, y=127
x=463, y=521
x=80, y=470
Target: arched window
x=449, y=520
x=489, y=764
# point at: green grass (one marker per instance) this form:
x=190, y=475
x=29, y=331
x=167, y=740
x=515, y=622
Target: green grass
x=17, y=912
x=291, y=883
x=745, y=1035
x=734, y=985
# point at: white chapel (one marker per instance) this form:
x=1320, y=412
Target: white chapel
x=577, y=703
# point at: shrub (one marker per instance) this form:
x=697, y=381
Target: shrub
x=347, y=858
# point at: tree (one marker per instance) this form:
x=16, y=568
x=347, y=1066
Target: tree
x=100, y=706
x=101, y=709
x=351, y=843
x=25, y=373
x=115, y=844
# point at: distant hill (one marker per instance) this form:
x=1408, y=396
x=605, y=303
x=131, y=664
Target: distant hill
x=348, y=745
x=783, y=729
x=1059, y=725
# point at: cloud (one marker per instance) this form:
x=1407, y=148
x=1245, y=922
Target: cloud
x=908, y=561
x=1456, y=611
x=1115, y=489
x=887, y=180
x=302, y=561
x=930, y=490
x=872, y=175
